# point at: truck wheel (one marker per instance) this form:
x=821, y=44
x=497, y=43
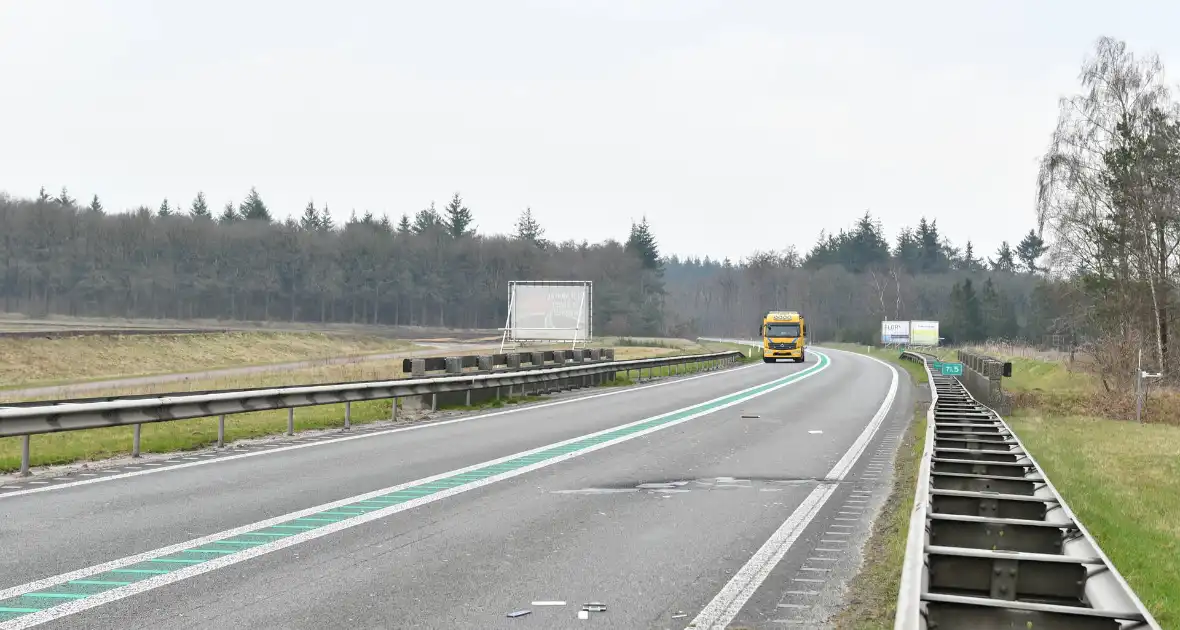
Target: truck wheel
x=801, y=358
x=768, y=359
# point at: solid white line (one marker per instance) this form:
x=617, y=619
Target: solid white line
x=357, y=436
x=76, y=606
x=719, y=612
x=726, y=605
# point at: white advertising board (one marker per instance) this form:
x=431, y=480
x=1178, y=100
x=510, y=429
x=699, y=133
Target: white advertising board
x=550, y=311
x=895, y=332
x=924, y=333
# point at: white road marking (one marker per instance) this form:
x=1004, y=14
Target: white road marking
x=115, y=594
x=357, y=436
x=719, y=612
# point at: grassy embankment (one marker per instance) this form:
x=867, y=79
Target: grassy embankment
x=1122, y=479
x=126, y=356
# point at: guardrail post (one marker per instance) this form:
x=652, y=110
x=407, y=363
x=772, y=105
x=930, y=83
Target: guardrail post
x=393, y=409
x=221, y=431
x=347, y=415
x=24, y=455
x=135, y=440
x=434, y=402
x=290, y=421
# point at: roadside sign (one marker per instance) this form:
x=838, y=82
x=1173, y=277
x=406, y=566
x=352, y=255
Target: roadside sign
x=952, y=369
x=936, y=366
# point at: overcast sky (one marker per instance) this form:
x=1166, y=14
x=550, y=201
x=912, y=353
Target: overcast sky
x=731, y=125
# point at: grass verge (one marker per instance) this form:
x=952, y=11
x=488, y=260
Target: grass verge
x=872, y=594
x=31, y=362
x=1123, y=481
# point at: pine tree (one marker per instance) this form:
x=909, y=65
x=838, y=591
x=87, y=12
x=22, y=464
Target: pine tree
x=95, y=205
x=199, y=208
x=229, y=214
x=969, y=261
x=1029, y=250
x=327, y=224
x=426, y=220
x=642, y=243
x=908, y=251
x=253, y=209
x=1003, y=260
x=65, y=199
x=458, y=221
x=932, y=255
x=527, y=228
x=966, y=318
x=310, y=221
x=165, y=209
x=43, y=197
x=403, y=225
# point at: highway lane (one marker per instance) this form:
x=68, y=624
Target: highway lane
x=584, y=528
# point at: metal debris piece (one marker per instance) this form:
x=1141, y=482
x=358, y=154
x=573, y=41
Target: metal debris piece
x=583, y=614
x=519, y=613
x=680, y=614
x=751, y=415
x=594, y=607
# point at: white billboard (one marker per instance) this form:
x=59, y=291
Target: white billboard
x=924, y=333
x=895, y=332
x=550, y=311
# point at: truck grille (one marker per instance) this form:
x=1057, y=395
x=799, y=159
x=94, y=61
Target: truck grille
x=784, y=345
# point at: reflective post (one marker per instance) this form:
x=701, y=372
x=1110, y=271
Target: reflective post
x=221, y=431
x=24, y=455
x=290, y=421
x=347, y=415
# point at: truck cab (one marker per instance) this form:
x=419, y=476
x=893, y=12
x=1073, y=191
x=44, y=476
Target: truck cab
x=784, y=334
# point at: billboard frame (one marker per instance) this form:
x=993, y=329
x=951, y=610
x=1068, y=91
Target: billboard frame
x=892, y=340
x=937, y=329
x=512, y=333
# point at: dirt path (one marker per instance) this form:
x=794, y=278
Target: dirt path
x=72, y=389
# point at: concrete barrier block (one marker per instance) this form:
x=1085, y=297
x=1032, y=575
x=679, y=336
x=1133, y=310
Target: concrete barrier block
x=454, y=365
x=418, y=368
x=513, y=361
x=485, y=363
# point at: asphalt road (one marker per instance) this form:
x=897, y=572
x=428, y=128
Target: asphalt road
x=759, y=504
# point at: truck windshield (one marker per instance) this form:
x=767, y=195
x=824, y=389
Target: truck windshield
x=782, y=330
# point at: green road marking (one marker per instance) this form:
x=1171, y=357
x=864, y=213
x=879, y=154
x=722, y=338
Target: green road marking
x=9, y=607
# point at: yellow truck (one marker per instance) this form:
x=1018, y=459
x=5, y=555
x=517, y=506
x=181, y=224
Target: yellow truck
x=783, y=336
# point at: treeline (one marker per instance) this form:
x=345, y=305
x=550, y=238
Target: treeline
x=852, y=280
x=434, y=268
x=57, y=256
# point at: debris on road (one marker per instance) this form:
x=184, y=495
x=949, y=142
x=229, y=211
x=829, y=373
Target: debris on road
x=751, y=415
x=594, y=607
x=583, y=614
x=680, y=614
x=519, y=613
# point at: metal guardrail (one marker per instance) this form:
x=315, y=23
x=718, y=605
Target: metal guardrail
x=28, y=419
x=107, y=332
x=991, y=543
